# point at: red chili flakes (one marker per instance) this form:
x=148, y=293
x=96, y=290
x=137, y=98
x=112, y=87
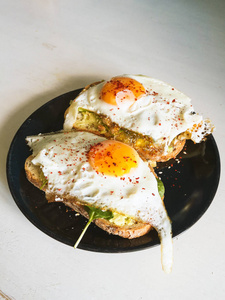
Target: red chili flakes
x=137, y=180
x=153, y=194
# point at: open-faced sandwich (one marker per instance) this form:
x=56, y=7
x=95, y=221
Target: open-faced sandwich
x=100, y=163
x=108, y=178
x=145, y=113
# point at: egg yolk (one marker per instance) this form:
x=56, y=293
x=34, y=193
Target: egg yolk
x=121, y=89
x=113, y=158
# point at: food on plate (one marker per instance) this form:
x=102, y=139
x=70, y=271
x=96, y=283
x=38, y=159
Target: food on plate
x=145, y=113
x=87, y=171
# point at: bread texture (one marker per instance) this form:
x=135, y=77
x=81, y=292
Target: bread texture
x=35, y=176
x=102, y=125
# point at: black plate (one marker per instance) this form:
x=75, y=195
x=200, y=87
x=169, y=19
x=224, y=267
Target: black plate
x=191, y=183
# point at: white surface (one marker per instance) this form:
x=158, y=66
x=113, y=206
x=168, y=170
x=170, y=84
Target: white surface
x=50, y=47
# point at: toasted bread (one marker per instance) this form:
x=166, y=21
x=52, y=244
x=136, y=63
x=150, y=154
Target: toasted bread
x=102, y=125
x=35, y=176
x=156, y=125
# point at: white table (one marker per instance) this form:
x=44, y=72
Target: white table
x=50, y=47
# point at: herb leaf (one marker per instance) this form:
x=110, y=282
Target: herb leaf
x=98, y=213
x=161, y=187
x=94, y=213
x=44, y=182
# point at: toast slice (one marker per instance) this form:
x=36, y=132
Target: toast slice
x=101, y=179
x=85, y=117
x=103, y=126
x=121, y=225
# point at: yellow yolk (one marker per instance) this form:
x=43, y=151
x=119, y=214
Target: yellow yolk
x=113, y=158
x=121, y=89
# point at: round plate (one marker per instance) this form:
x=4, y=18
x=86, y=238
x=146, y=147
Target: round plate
x=190, y=181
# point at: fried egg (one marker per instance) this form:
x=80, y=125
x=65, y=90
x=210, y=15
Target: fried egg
x=144, y=105
x=106, y=174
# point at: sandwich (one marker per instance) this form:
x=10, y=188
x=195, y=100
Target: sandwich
x=148, y=114
x=108, y=178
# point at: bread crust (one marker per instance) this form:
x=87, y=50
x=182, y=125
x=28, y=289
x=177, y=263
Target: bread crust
x=34, y=175
x=153, y=153
x=159, y=157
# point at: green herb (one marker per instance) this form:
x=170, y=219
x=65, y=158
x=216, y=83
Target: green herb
x=161, y=188
x=94, y=213
x=43, y=184
x=43, y=180
x=81, y=109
